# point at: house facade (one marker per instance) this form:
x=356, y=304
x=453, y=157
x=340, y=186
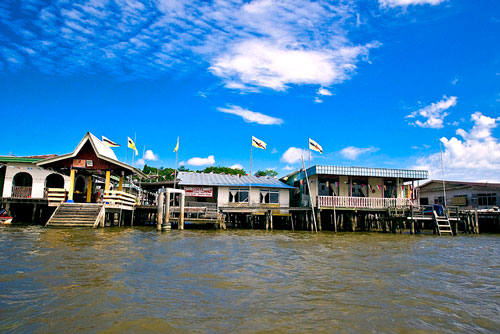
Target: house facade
x=354, y=187
x=234, y=190
x=21, y=178
x=466, y=195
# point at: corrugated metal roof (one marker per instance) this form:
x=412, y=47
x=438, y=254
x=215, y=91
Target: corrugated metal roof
x=406, y=174
x=410, y=174
x=204, y=179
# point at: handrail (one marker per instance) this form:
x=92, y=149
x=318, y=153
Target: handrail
x=119, y=199
x=364, y=202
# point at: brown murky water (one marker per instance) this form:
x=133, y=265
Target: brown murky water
x=134, y=280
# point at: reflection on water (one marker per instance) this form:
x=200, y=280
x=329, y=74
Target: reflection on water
x=138, y=281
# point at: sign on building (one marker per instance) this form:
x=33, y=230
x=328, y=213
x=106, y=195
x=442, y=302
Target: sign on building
x=78, y=163
x=199, y=191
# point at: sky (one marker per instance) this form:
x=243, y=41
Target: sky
x=377, y=83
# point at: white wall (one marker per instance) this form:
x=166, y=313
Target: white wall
x=38, y=174
x=223, y=196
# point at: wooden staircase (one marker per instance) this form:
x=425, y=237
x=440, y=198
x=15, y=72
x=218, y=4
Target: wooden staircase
x=443, y=225
x=76, y=215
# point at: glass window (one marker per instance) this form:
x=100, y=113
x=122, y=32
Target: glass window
x=486, y=199
x=269, y=196
x=238, y=195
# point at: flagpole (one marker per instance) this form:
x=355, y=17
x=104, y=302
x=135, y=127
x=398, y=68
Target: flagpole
x=176, y=161
x=133, y=155
x=442, y=174
x=310, y=197
x=309, y=156
x=249, y=181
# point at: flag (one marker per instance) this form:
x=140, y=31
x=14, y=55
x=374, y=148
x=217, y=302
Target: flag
x=177, y=146
x=108, y=142
x=258, y=143
x=131, y=145
x=315, y=146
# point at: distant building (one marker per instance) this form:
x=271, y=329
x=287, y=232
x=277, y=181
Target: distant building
x=355, y=187
x=234, y=190
x=480, y=195
x=21, y=178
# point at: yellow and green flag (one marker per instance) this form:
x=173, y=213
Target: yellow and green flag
x=177, y=146
x=131, y=145
x=258, y=143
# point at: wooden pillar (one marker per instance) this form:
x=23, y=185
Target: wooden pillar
x=108, y=181
x=354, y=221
x=412, y=227
x=476, y=222
x=120, y=184
x=89, y=188
x=160, y=211
x=181, y=215
x=267, y=220
x=271, y=219
x=71, y=185
x=335, y=220
x=319, y=219
x=33, y=216
x=291, y=222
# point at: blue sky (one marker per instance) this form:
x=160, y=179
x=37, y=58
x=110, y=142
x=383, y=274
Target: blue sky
x=376, y=83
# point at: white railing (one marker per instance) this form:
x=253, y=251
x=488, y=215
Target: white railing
x=365, y=202
x=55, y=196
x=119, y=199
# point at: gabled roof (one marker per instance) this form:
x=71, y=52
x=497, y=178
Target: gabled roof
x=204, y=179
x=460, y=184
x=102, y=152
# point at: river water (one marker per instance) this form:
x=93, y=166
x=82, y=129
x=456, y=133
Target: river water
x=135, y=280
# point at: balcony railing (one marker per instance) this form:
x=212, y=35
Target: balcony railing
x=365, y=202
x=21, y=192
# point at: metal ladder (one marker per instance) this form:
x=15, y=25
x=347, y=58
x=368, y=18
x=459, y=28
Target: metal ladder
x=442, y=224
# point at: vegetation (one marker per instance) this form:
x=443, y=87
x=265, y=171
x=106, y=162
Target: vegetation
x=223, y=170
x=267, y=172
x=167, y=174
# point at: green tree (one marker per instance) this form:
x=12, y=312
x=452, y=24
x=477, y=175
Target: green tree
x=267, y=172
x=223, y=170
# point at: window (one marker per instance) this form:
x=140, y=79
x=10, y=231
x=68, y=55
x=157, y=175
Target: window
x=424, y=201
x=238, y=195
x=487, y=199
x=269, y=196
x=439, y=200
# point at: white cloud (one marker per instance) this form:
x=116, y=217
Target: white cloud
x=318, y=100
x=274, y=151
x=472, y=156
x=433, y=114
x=149, y=155
x=140, y=162
x=251, y=116
x=405, y=3
x=294, y=155
x=288, y=168
x=454, y=81
x=209, y=161
x=249, y=45
x=324, y=92
x=182, y=163
x=236, y=166
x=352, y=152
x=264, y=63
